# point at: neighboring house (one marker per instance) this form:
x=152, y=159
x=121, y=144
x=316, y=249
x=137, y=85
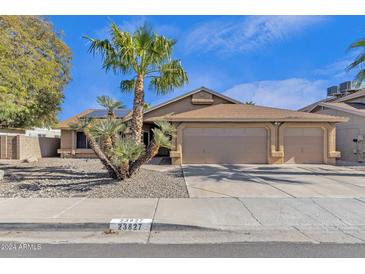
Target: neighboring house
x=213, y=128
x=43, y=132
x=348, y=103
x=20, y=144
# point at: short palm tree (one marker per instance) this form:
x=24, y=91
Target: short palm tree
x=85, y=125
x=359, y=62
x=109, y=104
x=141, y=55
x=106, y=131
x=121, y=155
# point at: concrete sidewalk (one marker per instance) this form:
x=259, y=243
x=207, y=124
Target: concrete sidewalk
x=191, y=220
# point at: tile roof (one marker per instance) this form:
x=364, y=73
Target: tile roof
x=354, y=95
x=357, y=109
x=242, y=112
x=93, y=113
x=65, y=123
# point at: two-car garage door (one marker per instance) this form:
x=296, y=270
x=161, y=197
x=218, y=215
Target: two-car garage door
x=249, y=145
x=224, y=145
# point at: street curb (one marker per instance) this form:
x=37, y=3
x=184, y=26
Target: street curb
x=92, y=226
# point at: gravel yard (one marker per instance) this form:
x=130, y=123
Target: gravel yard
x=55, y=177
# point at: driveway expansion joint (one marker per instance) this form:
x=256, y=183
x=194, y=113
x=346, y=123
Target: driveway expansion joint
x=251, y=213
x=330, y=212
x=68, y=208
x=153, y=221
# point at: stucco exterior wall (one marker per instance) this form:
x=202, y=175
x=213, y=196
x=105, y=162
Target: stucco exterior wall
x=8, y=147
x=28, y=147
x=66, y=139
x=346, y=132
x=49, y=146
x=183, y=105
x=21, y=147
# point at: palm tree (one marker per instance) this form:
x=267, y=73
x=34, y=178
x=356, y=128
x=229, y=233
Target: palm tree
x=110, y=104
x=162, y=136
x=85, y=125
x=359, y=62
x=106, y=131
x=141, y=55
x=124, y=152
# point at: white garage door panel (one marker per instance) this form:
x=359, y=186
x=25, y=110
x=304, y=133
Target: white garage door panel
x=224, y=145
x=303, y=145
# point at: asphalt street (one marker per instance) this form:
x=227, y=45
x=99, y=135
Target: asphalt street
x=240, y=250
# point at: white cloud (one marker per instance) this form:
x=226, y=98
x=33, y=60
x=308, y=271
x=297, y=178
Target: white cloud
x=132, y=23
x=292, y=93
x=337, y=70
x=248, y=33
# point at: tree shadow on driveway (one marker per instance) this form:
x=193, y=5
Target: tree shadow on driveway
x=262, y=174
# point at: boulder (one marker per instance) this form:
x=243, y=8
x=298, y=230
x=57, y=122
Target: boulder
x=1, y=174
x=31, y=159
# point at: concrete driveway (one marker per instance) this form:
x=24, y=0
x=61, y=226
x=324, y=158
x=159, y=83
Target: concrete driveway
x=298, y=181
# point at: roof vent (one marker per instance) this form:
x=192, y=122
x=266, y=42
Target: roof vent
x=331, y=91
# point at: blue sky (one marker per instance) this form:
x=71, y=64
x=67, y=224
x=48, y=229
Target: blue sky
x=278, y=61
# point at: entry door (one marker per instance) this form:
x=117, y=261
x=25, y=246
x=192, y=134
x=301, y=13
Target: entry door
x=224, y=145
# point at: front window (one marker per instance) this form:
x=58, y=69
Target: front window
x=81, y=140
x=146, y=138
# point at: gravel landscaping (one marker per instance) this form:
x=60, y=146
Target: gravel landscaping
x=55, y=177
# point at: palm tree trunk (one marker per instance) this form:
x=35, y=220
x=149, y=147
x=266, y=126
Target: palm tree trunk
x=138, y=106
x=112, y=171
x=151, y=151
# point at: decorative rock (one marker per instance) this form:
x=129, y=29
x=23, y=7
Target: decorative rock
x=31, y=159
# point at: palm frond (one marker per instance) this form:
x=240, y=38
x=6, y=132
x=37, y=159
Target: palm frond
x=359, y=78
x=358, y=44
x=103, y=128
x=126, y=149
x=81, y=123
x=125, y=49
x=109, y=103
x=172, y=75
x=161, y=139
x=127, y=85
x=166, y=127
x=358, y=61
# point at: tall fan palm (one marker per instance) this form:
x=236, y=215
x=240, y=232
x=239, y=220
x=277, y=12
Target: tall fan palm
x=110, y=104
x=141, y=55
x=359, y=62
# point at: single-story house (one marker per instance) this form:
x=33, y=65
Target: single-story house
x=350, y=135
x=213, y=128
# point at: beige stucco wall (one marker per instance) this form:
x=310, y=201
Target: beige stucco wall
x=8, y=147
x=346, y=132
x=21, y=147
x=66, y=139
x=49, y=146
x=28, y=147
x=182, y=105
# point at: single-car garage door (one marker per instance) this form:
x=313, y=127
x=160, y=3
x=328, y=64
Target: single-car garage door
x=303, y=145
x=224, y=145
